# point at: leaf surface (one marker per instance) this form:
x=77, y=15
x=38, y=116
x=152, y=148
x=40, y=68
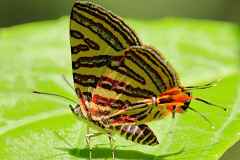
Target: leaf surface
x=34, y=56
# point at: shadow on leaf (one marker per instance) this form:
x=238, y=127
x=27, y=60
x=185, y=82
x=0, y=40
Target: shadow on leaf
x=102, y=153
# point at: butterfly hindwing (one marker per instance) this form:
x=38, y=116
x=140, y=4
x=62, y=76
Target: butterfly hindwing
x=140, y=134
x=142, y=74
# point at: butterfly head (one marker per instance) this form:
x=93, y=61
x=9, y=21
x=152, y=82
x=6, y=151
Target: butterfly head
x=176, y=99
x=187, y=100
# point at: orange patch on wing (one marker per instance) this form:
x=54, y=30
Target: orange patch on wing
x=123, y=119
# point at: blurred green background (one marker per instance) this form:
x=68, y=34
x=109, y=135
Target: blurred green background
x=14, y=12
x=20, y=11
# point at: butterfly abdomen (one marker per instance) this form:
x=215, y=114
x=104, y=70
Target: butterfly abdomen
x=140, y=134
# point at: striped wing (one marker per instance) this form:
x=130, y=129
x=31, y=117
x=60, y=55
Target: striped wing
x=120, y=96
x=140, y=134
x=95, y=35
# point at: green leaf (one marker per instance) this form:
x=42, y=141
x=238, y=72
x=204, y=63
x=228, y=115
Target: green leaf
x=34, y=57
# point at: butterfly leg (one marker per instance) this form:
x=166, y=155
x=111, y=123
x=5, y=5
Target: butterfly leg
x=88, y=137
x=88, y=141
x=112, y=145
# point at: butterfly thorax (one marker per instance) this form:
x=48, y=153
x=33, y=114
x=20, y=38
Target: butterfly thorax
x=174, y=100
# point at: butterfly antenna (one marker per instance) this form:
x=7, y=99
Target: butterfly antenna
x=68, y=83
x=209, y=103
x=204, y=86
x=55, y=95
x=203, y=116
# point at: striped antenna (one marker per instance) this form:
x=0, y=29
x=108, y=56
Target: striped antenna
x=55, y=95
x=203, y=116
x=68, y=83
x=209, y=103
x=204, y=86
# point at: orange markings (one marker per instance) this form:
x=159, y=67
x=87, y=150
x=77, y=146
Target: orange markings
x=123, y=119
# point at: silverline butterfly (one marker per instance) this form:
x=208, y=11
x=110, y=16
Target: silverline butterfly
x=121, y=83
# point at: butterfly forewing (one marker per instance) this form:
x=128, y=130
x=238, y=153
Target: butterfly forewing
x=95, y=35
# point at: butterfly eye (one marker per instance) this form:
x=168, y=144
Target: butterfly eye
x=186, y=105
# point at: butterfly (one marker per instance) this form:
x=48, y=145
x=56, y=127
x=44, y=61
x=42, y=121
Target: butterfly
x=121, y=83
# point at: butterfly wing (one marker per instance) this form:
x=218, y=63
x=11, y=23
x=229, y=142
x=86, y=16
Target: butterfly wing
x=98, y=41
x=121, y=93
x=95, y=36
x=140, y=134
